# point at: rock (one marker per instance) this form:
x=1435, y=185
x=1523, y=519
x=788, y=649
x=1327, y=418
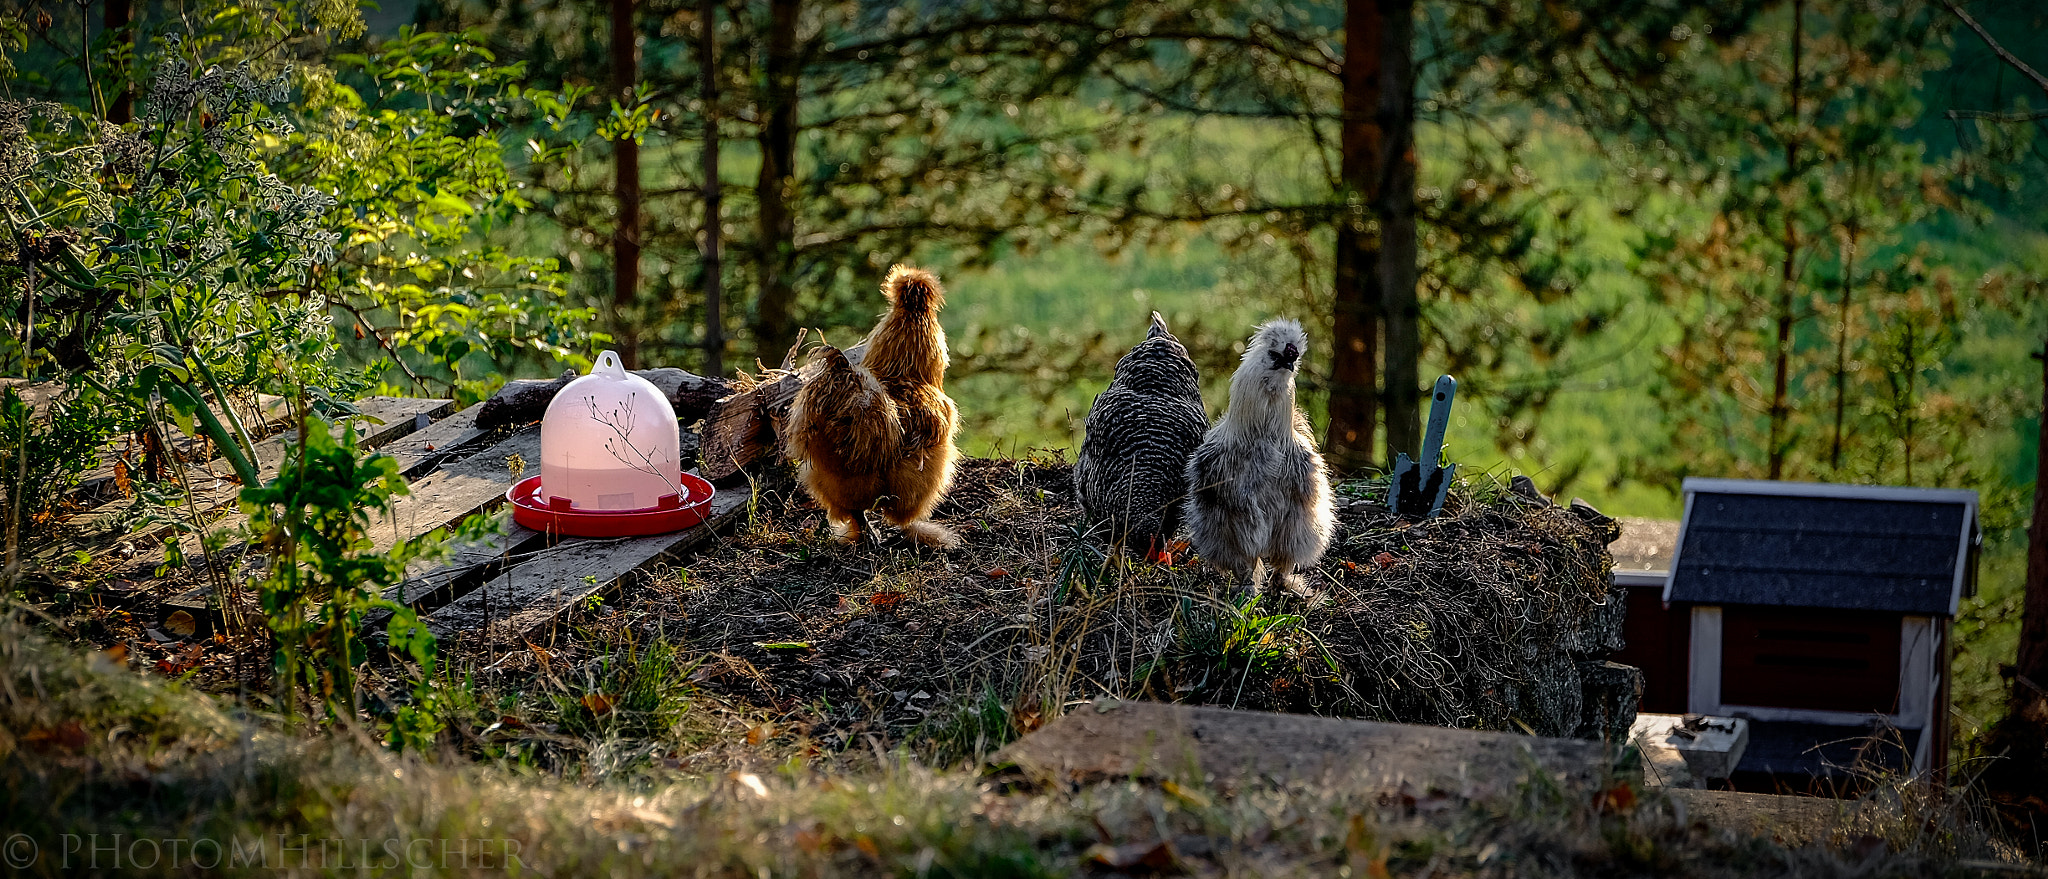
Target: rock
x=1610, y=530
x=1548, y=697
x=1526, y=487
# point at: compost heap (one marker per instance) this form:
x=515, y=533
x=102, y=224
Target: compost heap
x=1494, y=615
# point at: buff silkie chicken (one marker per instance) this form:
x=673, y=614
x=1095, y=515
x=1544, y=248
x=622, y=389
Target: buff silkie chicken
x=879, y=435
x=1132, y=470
x=1259, y=490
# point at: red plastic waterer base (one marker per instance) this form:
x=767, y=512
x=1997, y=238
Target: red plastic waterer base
x=672, y=514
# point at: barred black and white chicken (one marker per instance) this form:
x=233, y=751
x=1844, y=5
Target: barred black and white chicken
x=1132, y=470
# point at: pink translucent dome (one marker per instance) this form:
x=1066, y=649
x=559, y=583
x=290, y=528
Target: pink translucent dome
x=609, y=441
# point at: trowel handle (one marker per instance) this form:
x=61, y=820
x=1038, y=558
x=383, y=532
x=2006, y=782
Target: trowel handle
x=1439, y=419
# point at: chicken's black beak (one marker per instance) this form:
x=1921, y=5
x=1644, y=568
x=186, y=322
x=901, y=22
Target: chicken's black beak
x=1285, y=358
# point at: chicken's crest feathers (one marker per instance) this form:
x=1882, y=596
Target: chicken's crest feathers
x=1158, y=328
x=913, y=289
x=908, y=344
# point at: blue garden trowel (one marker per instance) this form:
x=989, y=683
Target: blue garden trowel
x=1420, y=485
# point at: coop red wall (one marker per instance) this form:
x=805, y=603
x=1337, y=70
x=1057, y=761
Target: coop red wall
x=1659, y=643
x=1828, y=660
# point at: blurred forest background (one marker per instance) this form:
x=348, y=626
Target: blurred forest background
x=1798, y=239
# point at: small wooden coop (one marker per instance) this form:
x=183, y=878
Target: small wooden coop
x=1819, y=612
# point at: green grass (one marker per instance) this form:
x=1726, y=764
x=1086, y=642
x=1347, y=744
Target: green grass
x=104, y=770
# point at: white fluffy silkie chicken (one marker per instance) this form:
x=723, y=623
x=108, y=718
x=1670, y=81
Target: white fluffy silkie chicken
x=1132, y=473
x=1259, y=490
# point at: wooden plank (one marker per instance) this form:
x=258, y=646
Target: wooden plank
x=475, y=484
x=382, y=420
x=98, y=482
x=1113, y=739
x=419, y=452
x=526, y=601
x=743, y=428
x=467, y=565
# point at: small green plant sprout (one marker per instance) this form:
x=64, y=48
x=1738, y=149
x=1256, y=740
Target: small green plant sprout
x=325, y=578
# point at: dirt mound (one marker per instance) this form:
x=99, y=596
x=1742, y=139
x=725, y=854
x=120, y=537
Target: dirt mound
x=1478, y=619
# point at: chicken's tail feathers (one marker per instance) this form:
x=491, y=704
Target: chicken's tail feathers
x=931, y=533
x=913, y=289
x=1158, y=329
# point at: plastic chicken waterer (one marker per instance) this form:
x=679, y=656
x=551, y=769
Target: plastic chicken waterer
x=610, y=461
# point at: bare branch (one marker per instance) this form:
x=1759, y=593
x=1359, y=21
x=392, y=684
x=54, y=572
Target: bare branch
x=2003, y=55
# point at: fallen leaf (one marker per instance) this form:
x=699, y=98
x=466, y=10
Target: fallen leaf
x=1187, y=795
x=999, y=572
x=1384, y=560
x=885, y=600
x=1152, y=856
x=810, y=840
x=1619, y=799
x=122, y=480
x=180, y=663
x=597, y=703
x=117, y=654
x=1350, y=565
x=181, y=624
x=867, y=846
x=760, y=733
x=67, y=735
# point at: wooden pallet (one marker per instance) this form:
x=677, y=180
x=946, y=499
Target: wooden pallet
x=509, y=587
x=526, y=602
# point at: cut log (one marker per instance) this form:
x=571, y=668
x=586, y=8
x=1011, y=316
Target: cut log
x=1109, y=739
x=745, y=428
x=524, y=401
x=524, y=602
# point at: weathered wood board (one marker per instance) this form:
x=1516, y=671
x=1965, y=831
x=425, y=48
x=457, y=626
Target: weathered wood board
x=523, y=602
x=475, y=484
x=1786, y=820
x=98, y=482
x=382, y=420
x=471, y=559
x=418, y=452
x=1114, y=739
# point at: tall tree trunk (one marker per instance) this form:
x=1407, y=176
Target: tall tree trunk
x=626, y=188
x=1396, y=209
x=117, y=17
x=1354, y=366
x=714, y=280
x=1842, y=343
x=2024, y=732
x=776, y=248
x=1781, y=375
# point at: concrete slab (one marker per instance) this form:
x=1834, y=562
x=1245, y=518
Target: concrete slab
x=1707, y=747
x=1217, y=746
